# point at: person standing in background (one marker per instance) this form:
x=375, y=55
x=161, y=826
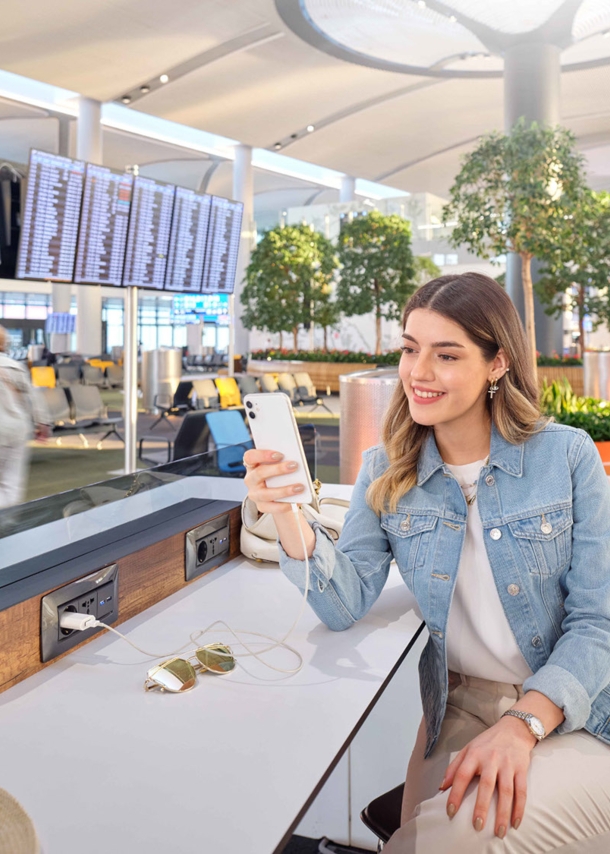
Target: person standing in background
x=23, y=416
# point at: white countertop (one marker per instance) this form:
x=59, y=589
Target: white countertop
x=102, y=766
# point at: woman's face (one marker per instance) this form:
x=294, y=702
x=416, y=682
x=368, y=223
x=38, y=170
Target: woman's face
x=444, y=374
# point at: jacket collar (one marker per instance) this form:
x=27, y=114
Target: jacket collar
x=502, y=454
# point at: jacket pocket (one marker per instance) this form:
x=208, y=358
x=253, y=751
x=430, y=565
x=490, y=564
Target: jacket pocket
x=545, y=540
x=410, y=535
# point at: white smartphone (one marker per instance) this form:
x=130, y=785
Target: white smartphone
x=274, y=428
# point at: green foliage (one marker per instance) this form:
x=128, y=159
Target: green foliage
x=289, y=281
x=556, y=361
x=424, y=270
x=513, y=192
x=347, y=356
x=377, y=273
x=588, y=413
x=579, y=264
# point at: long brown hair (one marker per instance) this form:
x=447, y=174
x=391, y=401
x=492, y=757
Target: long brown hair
x=487, y=315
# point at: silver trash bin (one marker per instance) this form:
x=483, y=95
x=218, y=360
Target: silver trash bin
x=161, y=372
x=364, y=397
x=597, y=374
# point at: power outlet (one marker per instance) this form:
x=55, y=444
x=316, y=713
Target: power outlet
x=96, y=594
x=207, y=546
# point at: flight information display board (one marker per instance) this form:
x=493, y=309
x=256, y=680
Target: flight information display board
x=148, y=234
x=104, y=218
x=187, y=243
x=224, y=234
x=49, y=230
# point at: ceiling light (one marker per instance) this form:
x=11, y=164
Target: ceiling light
x=606, y=35
x=421, y=4
x=164, y=78
x=145, y=90
x=452, y=18
x=310, y=128
x=277, y=146
x=126, y=99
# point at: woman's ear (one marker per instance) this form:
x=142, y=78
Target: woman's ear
x=500, y=364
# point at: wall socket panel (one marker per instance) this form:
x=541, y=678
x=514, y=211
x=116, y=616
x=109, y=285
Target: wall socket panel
x=207, y=546
x=96, y=594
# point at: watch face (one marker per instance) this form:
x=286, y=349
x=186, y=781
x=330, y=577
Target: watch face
x=537, y=727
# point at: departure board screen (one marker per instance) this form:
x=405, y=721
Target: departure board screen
x=148, y=234
x=49, y=230
x=224, y=233
x=102, y=236
x=188, y=241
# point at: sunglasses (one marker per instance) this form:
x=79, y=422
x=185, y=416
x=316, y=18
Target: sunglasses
x=178, y=675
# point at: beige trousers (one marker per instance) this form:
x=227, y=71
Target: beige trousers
x=568, y=786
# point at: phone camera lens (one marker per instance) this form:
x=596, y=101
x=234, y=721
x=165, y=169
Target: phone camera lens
x=251, y=415
x=249, y=404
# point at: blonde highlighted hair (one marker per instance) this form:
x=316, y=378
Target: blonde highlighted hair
x=488, y=317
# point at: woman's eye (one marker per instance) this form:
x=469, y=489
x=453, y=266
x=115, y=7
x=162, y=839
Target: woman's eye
x=447, y=357
x=407, y=349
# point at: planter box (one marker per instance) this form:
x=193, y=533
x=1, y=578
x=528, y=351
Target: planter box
x=323, y=374
x=574, y=375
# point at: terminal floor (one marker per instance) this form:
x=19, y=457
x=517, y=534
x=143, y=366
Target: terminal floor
x=55, y=468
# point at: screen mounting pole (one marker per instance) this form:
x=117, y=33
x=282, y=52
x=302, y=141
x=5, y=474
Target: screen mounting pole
x=130, y=365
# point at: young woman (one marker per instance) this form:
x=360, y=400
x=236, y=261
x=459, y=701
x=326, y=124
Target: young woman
x=499, y=522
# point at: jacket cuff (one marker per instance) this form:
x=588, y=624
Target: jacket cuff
x=563, y=689
x=321, y=563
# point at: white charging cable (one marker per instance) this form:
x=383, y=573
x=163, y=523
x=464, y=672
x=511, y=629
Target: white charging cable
x=81, y=622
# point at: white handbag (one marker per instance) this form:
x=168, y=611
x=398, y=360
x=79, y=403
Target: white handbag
x=258, y=538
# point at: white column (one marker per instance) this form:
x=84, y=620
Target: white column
x=347, y=193
x=532, y=77
x=243, y=191
x=89, y=297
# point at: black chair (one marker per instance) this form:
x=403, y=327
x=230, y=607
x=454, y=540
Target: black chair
x=178, y=404
x=382, y=816
x=192, y=438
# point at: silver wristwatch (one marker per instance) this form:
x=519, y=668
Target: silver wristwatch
x=534, y=724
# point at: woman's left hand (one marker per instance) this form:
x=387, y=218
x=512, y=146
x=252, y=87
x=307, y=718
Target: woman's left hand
x=500, y=756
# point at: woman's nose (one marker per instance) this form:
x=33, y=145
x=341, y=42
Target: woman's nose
x=422, y=369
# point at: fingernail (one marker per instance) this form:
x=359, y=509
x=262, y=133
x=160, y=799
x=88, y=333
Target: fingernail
x=276, y=456
x=478, y=825
x=501, y=831
x=298, y=487
x=451, y=810
x=516, y=823
x=292, y=466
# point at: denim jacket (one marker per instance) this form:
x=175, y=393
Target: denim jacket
x=545, y=509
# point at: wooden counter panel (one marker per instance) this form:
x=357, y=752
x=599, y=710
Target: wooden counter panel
x=145, y=578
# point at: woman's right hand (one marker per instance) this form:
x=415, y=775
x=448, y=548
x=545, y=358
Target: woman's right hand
x=261, y=465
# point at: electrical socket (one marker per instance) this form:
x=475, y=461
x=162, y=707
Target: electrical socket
x=207, y=546
x=96, y=594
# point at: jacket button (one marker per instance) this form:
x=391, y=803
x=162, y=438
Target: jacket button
x=546, y=527
x=495, y=534
x=513, y=589
x=405, y=525
x=536, y=641
x=490, y=480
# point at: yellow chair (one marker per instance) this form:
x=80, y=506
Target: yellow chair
x=43, y=376
x=228, y=391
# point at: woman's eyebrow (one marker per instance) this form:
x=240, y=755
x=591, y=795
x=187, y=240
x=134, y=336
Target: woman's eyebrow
x=436, y=343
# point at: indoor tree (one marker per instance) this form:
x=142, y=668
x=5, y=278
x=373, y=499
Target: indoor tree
x=512, y=194
x=288, y=280
x=579, y=266
x=377, y=268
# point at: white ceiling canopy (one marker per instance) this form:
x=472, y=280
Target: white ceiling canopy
x=450, y=38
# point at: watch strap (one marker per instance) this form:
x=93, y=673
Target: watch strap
x=526, y=716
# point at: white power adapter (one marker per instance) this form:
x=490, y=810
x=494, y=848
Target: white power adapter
x=77, y=622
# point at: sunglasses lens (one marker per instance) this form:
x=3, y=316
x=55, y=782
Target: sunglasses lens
x=216, y=657
x=175, y=675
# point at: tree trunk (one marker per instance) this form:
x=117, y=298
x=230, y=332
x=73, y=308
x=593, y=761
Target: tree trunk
x=580, y=299
x=326, y=339
x=528, y=298
x=295, y=332
x=377, y=321
x=281, y=340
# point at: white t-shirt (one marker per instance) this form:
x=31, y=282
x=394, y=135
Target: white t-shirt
x=480, y=641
